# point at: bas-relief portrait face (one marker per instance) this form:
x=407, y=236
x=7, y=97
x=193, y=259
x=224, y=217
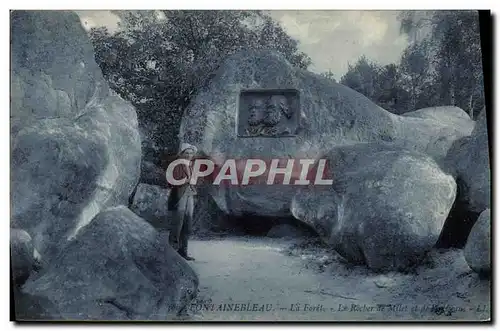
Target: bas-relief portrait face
x=268, y=113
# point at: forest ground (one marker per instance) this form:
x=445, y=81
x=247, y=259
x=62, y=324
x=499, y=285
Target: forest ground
x=267, y=279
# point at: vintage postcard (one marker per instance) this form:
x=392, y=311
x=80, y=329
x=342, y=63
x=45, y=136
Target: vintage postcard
x=230, y=165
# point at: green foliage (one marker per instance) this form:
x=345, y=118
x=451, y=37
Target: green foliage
x=362, y=77
x=458, y=69
x=440, y=66
x=158, y=60
x=382, y=84
x=329, y=75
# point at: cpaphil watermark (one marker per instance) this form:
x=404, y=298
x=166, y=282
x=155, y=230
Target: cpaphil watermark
x=243, y=172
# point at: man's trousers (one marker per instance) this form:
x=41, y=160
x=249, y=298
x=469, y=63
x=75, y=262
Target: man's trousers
x=182, y=216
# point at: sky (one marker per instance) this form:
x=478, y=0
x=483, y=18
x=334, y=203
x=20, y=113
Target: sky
x=332, y=38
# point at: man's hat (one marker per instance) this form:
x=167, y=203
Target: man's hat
x=185, y=146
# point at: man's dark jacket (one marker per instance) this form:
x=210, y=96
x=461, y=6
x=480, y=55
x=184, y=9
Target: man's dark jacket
x=176, y=191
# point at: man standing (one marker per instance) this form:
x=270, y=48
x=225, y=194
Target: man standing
x=181, y=202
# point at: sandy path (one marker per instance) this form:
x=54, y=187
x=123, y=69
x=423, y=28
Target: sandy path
x=253, y=279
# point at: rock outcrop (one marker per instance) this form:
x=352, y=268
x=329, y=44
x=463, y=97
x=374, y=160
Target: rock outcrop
x=75, y=162
x=75, y=143
x=386, y=206
x=331, y=115
x=29, y=308
x=443, y=125
x=152, y=174
x=470, y=163
x=151, y=203
x=477, y=251
x=118, y=267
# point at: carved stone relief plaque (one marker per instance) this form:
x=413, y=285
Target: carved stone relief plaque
x=268, y=113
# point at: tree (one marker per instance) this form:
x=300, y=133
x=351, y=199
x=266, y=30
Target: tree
x=459, y=71
x=454, y=57
x=412, y=23
x=381, y=84
x=362, y=77
x=415, y=73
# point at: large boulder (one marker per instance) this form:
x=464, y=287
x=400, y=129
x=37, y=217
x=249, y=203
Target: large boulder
x=386, y=206
x=208, y=218
x=444, y=125
x=450, y=115
x=477, y=251
x=75, y=143
x=118, y=267
x=33, y=307
x=151, y=203
x=23, y=256
x=53, y=72
x=470, y=162
x=331, y=114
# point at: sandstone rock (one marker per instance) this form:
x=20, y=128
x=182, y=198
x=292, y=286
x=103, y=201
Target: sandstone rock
x=118, y=267
x=151, y=203
x=33, y=308
x=331, y=115
x=75, y=143
x=318, y=208
x=152, y=174
x=443, y=125
x=55, y=170
x=22, y=254
x=208, y=218
x=470, y=163
x=477, y=251
x=53, y=72
x=386, y=207
x=450, y=115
